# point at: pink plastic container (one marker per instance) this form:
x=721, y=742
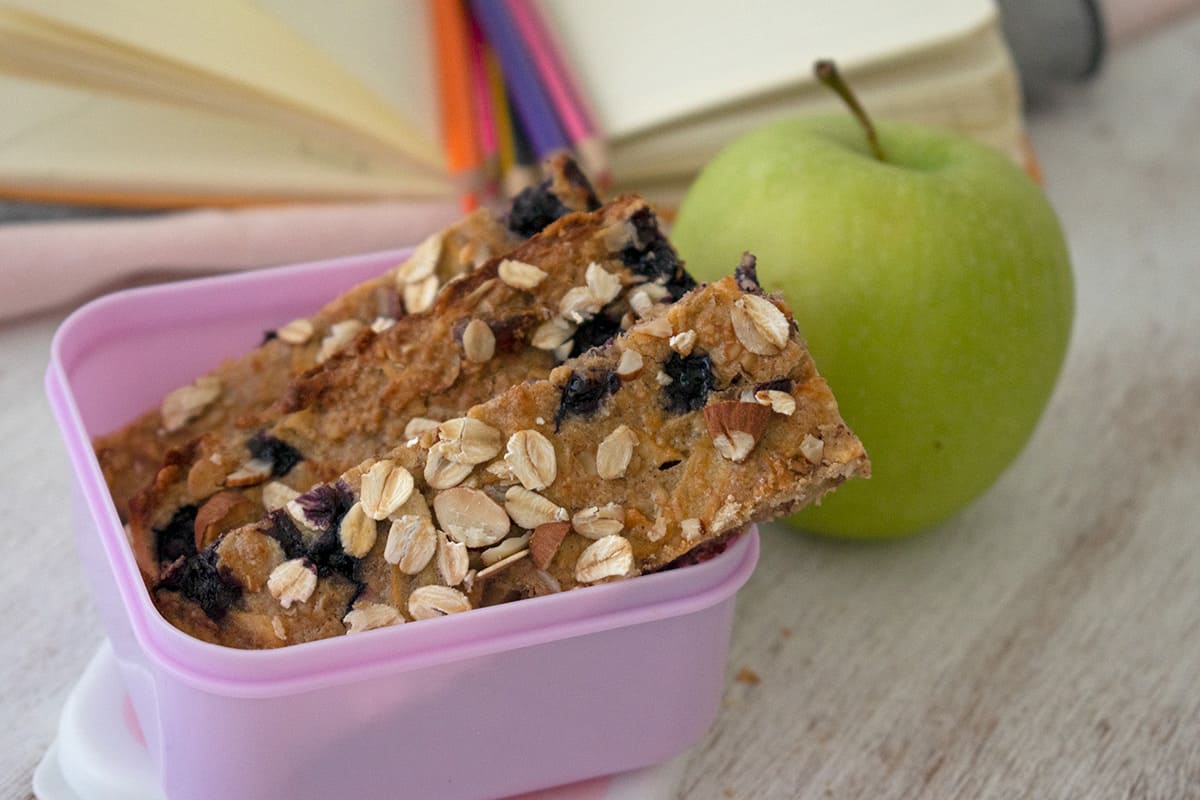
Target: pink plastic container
x=490, y=703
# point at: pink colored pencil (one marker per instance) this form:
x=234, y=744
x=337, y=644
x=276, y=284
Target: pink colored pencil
x=485, y=115
x=577, y=118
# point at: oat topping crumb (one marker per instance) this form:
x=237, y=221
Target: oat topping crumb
x=579, y=304
x=382, y=324
x=298, y=331
x=340, y=334
x=418, y=297
x=607, y=557
x=759, y=325
x=615, y=452
x=423, y=261
x=419, y=425
x=529, y=509
x=469, y=441
x=253, y=472
x=596, y=522
x=658, y=531
x=659, y=328
x=432, y=601
x=371, y=616
x=442, y=473
x=812, y=448
x=292, y=582
x=777, y=401
x=411, y=543
x=357, y=531
x=630, y=365
x=552, y=334
x=276, y=495
x=531, y=458
x=385, y=487
x=471, y=517
x=604, y=285
x=520, y=275
x=640, y=302
x=479, y=343
x=683, y=343
x=188, y=402
x=453, y=560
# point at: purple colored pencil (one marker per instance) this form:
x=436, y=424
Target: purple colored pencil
x=577, y=118
x=533, y=104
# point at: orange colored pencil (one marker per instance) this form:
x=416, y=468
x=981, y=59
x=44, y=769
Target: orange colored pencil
x=458, y=124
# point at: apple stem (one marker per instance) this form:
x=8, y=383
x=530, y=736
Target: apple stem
x=827, y=73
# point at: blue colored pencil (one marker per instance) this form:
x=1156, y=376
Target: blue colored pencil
x=530, y=98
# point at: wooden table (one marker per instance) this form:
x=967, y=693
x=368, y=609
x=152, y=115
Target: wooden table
x=1045, y=643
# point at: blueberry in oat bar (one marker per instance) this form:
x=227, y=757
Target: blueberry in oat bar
x=510, y=320
x=231, y=397
x=604, y=470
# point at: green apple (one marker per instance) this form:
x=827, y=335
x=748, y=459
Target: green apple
x=933, y=287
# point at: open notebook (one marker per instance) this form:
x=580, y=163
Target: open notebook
x=175, y=102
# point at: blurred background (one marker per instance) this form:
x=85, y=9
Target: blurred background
x=109, y=178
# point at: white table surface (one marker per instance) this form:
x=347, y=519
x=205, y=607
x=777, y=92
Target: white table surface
x=1044, y=643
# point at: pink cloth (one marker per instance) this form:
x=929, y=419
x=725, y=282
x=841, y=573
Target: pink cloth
x=46, y=265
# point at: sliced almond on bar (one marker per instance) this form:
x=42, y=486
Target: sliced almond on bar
x=545, y=541
x=736, y=427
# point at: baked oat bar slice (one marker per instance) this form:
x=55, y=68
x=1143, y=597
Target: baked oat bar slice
x=700, y=419
x=230, y=397
x=513, y=319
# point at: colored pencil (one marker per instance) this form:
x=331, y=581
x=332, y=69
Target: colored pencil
x=459, y=129
x=485, y=115
x=524, y=170
x=577, y=118
x=532, y=104
x=502, y=114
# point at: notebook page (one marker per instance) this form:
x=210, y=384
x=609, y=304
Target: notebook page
x=645, y=64
x=383, y=43
x=231, y=45
x=73, y=144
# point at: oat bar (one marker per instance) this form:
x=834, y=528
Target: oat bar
x=511, y=320
x=703, y=417
x=231, y=397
